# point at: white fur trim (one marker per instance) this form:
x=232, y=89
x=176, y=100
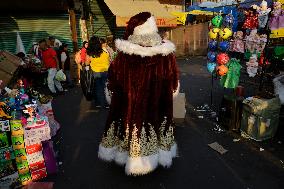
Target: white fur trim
x=127, y=47
x=148, y=27
x=165, y=157
x=121, y=157
x=107, y=154
x=141, y=165
x=175, y=94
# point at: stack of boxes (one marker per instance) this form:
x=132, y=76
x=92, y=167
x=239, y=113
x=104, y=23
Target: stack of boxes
x=6, y=150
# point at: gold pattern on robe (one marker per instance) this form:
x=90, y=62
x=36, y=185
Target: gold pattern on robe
x=167, y=138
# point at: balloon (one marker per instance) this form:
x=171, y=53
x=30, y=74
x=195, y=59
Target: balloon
x=225, y=33
x=213, y=45
x=213, y=33
x=222, y=70
x=224, y=46
x=211, y=56
x=228, y=20
x=222, y=58
x=211, y=66
x=217, y=21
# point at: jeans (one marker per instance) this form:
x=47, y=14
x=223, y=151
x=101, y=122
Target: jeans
x=100, y=79
x=52, y=82
x=68, y=78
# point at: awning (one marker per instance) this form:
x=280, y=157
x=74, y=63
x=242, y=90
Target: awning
x=125, y=9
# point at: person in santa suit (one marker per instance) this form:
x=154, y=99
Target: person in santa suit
x=142, y=81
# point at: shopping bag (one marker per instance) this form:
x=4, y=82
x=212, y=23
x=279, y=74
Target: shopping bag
x=60, y=76
x=87, y=82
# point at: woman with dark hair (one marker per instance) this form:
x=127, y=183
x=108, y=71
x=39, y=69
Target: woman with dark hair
x=65, y=63
x=99, y=63
x=84, y=52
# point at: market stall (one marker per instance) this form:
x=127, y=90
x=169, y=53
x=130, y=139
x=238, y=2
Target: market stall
x=27, y=126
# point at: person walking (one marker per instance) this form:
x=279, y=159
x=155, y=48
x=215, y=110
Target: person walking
x=65, y=63
x=99, y=63
x=139, y=132
x=51, y=63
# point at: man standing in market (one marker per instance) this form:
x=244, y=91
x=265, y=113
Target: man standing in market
x=50, y=61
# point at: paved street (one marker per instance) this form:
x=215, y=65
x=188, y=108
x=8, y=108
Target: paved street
x=198, y=166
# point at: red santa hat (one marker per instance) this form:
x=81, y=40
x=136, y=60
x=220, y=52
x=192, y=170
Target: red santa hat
x=141, y=24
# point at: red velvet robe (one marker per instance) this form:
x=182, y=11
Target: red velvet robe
x=139, y=131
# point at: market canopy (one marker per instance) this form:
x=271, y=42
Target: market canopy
x=249, y=3
x=182, y=16
x=125, y=9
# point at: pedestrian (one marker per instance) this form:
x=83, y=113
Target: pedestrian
x=84, y=52
x=107, y=49
x=139, y=131
x=65, y=63
x=99, y=63
x=51, y=63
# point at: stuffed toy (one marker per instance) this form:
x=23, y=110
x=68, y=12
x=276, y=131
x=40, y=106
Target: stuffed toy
x=263, y=12
x=252, y=66
x=261, y=43
x=251, y=41
x=274, y=22
x=237, y=44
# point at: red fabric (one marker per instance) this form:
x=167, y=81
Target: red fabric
x=83, y=55
x=251, y=21
x=48, y=57
x=142, y=90
x=135, y=21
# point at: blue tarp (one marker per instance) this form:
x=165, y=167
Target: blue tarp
x=249, y=3
x=193, y=7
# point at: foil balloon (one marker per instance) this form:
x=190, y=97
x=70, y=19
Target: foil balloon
x=217, y=21
x=213, y=45
x=213, y=33
x=228, y=20
x=225, y=33
x=222, y=58
x=222, y=70
x=224, y=46
x=211, y=66
x=211, y=56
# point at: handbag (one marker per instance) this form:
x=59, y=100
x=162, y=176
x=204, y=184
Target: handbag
x=87, y=82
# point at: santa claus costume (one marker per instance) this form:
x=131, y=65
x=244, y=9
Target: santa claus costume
x=139, y=132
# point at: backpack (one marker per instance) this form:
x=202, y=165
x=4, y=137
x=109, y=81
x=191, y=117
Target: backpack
x=78, y=59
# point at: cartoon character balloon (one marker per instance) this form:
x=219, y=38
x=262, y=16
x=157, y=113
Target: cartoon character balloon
x=225, y=33
x=229, y=20
x=217, y=21
x=211, y=56
x=211, y=66
x=213, y=45
x=213, y=33
x=222, y=70
x=224, y=46
x=222, y=58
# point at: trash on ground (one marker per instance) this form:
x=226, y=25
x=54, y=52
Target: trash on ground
x=236, y=140
x=279, y=142
x=217, y=128
x=261, y=149
x=200, y=117
x=281, y=162
x=213, y=114
x=217, y=147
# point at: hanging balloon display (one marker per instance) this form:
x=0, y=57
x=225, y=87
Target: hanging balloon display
x=213, y=45
x=213, y=33
x=222, y=70
x=224, y=46
x=222, y=58
x=225, y=33
x=217, y=21
x=211, y=66
x=211, y=56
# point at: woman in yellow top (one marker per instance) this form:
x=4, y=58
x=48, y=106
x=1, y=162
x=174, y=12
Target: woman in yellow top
x=99, y=63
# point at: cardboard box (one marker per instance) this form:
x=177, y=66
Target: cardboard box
x=6, y=154
x=39, y=174
x=3, y=140
x=4, y=125
x=36, y=166
x=34, y=148
x=35, y=157
x=179, y=110
x=25, y=179
x=18, y=142
x=20, y=155
x=23, y=167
